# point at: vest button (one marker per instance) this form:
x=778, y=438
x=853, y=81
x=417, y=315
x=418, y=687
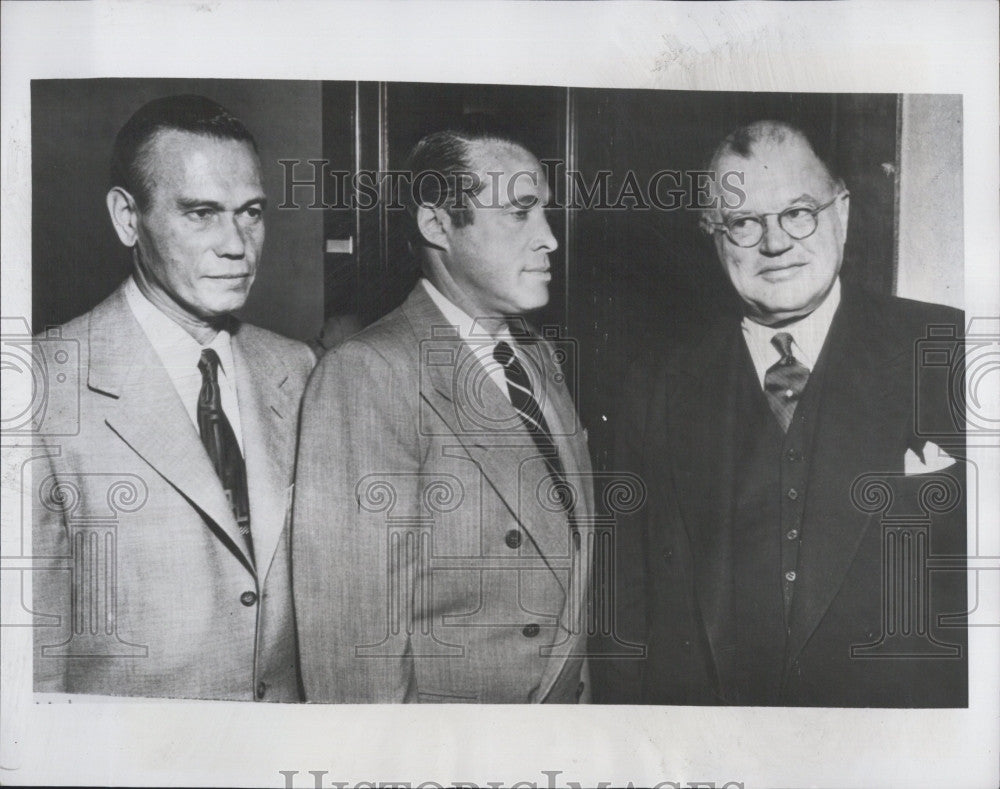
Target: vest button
x=793, y=534
x=793, y=494
x=248, y=598
x=790, y=575
x=530, y=631
x=513, y=538
x=261, y=689
x=792, y=455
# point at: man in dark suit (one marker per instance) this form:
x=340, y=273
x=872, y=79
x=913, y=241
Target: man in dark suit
x=766, y=567
x=440, y=537
x=163, y=501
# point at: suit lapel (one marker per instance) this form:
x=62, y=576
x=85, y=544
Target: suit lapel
x=862, y=421
x=149, y=415
x=268, y=414
x=480, y=418
x=701, y=428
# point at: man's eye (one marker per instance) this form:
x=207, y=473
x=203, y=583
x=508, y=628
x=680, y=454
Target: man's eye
x=201, y=213
x=742, y=223
x=254, y=212
x=797, y=212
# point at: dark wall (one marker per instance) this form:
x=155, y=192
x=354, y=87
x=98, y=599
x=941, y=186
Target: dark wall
x=77, y=259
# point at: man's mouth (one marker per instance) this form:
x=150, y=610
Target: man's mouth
x=777, y=273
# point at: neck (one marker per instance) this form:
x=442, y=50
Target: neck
x=202, y=330
x=486, y=320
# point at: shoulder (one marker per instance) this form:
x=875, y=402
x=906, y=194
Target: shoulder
x=908, y=312
x=296, y=354
x=392, y=338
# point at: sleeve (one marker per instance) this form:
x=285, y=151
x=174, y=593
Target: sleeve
x=358, y=465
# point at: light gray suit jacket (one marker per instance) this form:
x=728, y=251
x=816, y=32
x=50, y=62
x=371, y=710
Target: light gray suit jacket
x=150, y=591
x=430, y=560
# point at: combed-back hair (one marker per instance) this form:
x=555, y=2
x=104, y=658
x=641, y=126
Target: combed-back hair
x=188, y=113
x=441, y=164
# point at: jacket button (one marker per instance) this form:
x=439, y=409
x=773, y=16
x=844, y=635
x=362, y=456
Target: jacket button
x=579, y=690
x=792, y=455
x=793, y=494
x=261, y=689
x=513, y=538
x=530, y=631
x=790, y=576
x=793, y=534
x=248, y=598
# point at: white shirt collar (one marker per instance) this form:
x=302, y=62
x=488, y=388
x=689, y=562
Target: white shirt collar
x=468, y=328
x=808, y=335
x=480, y=341
x=179, y=353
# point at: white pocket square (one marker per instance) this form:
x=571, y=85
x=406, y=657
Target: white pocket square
x=934, y=459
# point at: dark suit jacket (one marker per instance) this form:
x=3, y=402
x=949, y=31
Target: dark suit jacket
x=429, y=562
x=152, y=593
x=675, y=559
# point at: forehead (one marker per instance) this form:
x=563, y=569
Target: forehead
x=175, y=159
x=778, y=172
x=505, y=158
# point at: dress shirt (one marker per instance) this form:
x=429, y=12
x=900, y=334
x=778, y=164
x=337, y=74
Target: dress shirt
x=808, y=335
x=179, y=353
x=482, y=343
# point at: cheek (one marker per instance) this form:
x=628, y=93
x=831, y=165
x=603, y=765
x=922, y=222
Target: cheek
x=737, y=264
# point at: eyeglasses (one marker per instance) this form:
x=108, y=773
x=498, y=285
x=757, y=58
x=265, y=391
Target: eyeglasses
x=799, y=221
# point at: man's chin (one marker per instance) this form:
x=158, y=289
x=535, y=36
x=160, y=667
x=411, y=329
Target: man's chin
x=220, y=310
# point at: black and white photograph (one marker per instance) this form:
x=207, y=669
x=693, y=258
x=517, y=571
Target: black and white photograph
x=338, y=389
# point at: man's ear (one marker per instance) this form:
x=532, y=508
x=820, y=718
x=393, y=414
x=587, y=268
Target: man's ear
x=434, y=225
x=124, y=215
x=843, y=212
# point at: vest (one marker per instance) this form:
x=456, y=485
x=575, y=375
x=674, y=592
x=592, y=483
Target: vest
x=772, y=472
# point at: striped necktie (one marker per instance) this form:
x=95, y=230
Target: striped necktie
x=785, y=380
x=524, y=402
x=221, y=445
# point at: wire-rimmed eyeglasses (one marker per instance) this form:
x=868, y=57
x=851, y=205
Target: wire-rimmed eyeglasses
x=799, y=221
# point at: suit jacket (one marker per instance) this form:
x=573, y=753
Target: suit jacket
x=675, y=556
x=150, y=591
x=431, y=562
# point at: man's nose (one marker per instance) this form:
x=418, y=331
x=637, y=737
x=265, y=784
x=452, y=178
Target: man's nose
x=232, y=240
x=775, y=240
x=546, y=238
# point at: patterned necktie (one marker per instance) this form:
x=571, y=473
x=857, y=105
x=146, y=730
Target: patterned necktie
x=521, y=397
x=785, y=380
x=220, y=442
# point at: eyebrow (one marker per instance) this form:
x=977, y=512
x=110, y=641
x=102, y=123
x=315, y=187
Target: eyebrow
x=521, y=203
x=805, y=197
x=189, y=203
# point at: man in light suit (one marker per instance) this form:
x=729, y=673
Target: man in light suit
x=441, y=518
x=162, y=512
x=793, y=492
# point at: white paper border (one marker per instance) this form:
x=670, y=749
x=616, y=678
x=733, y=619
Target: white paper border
x=930, y=47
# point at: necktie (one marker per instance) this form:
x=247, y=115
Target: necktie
x=523, y=400
x=785, y=380
x=220, y=442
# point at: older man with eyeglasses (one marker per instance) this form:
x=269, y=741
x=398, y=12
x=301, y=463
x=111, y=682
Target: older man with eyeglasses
x=758, y=573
